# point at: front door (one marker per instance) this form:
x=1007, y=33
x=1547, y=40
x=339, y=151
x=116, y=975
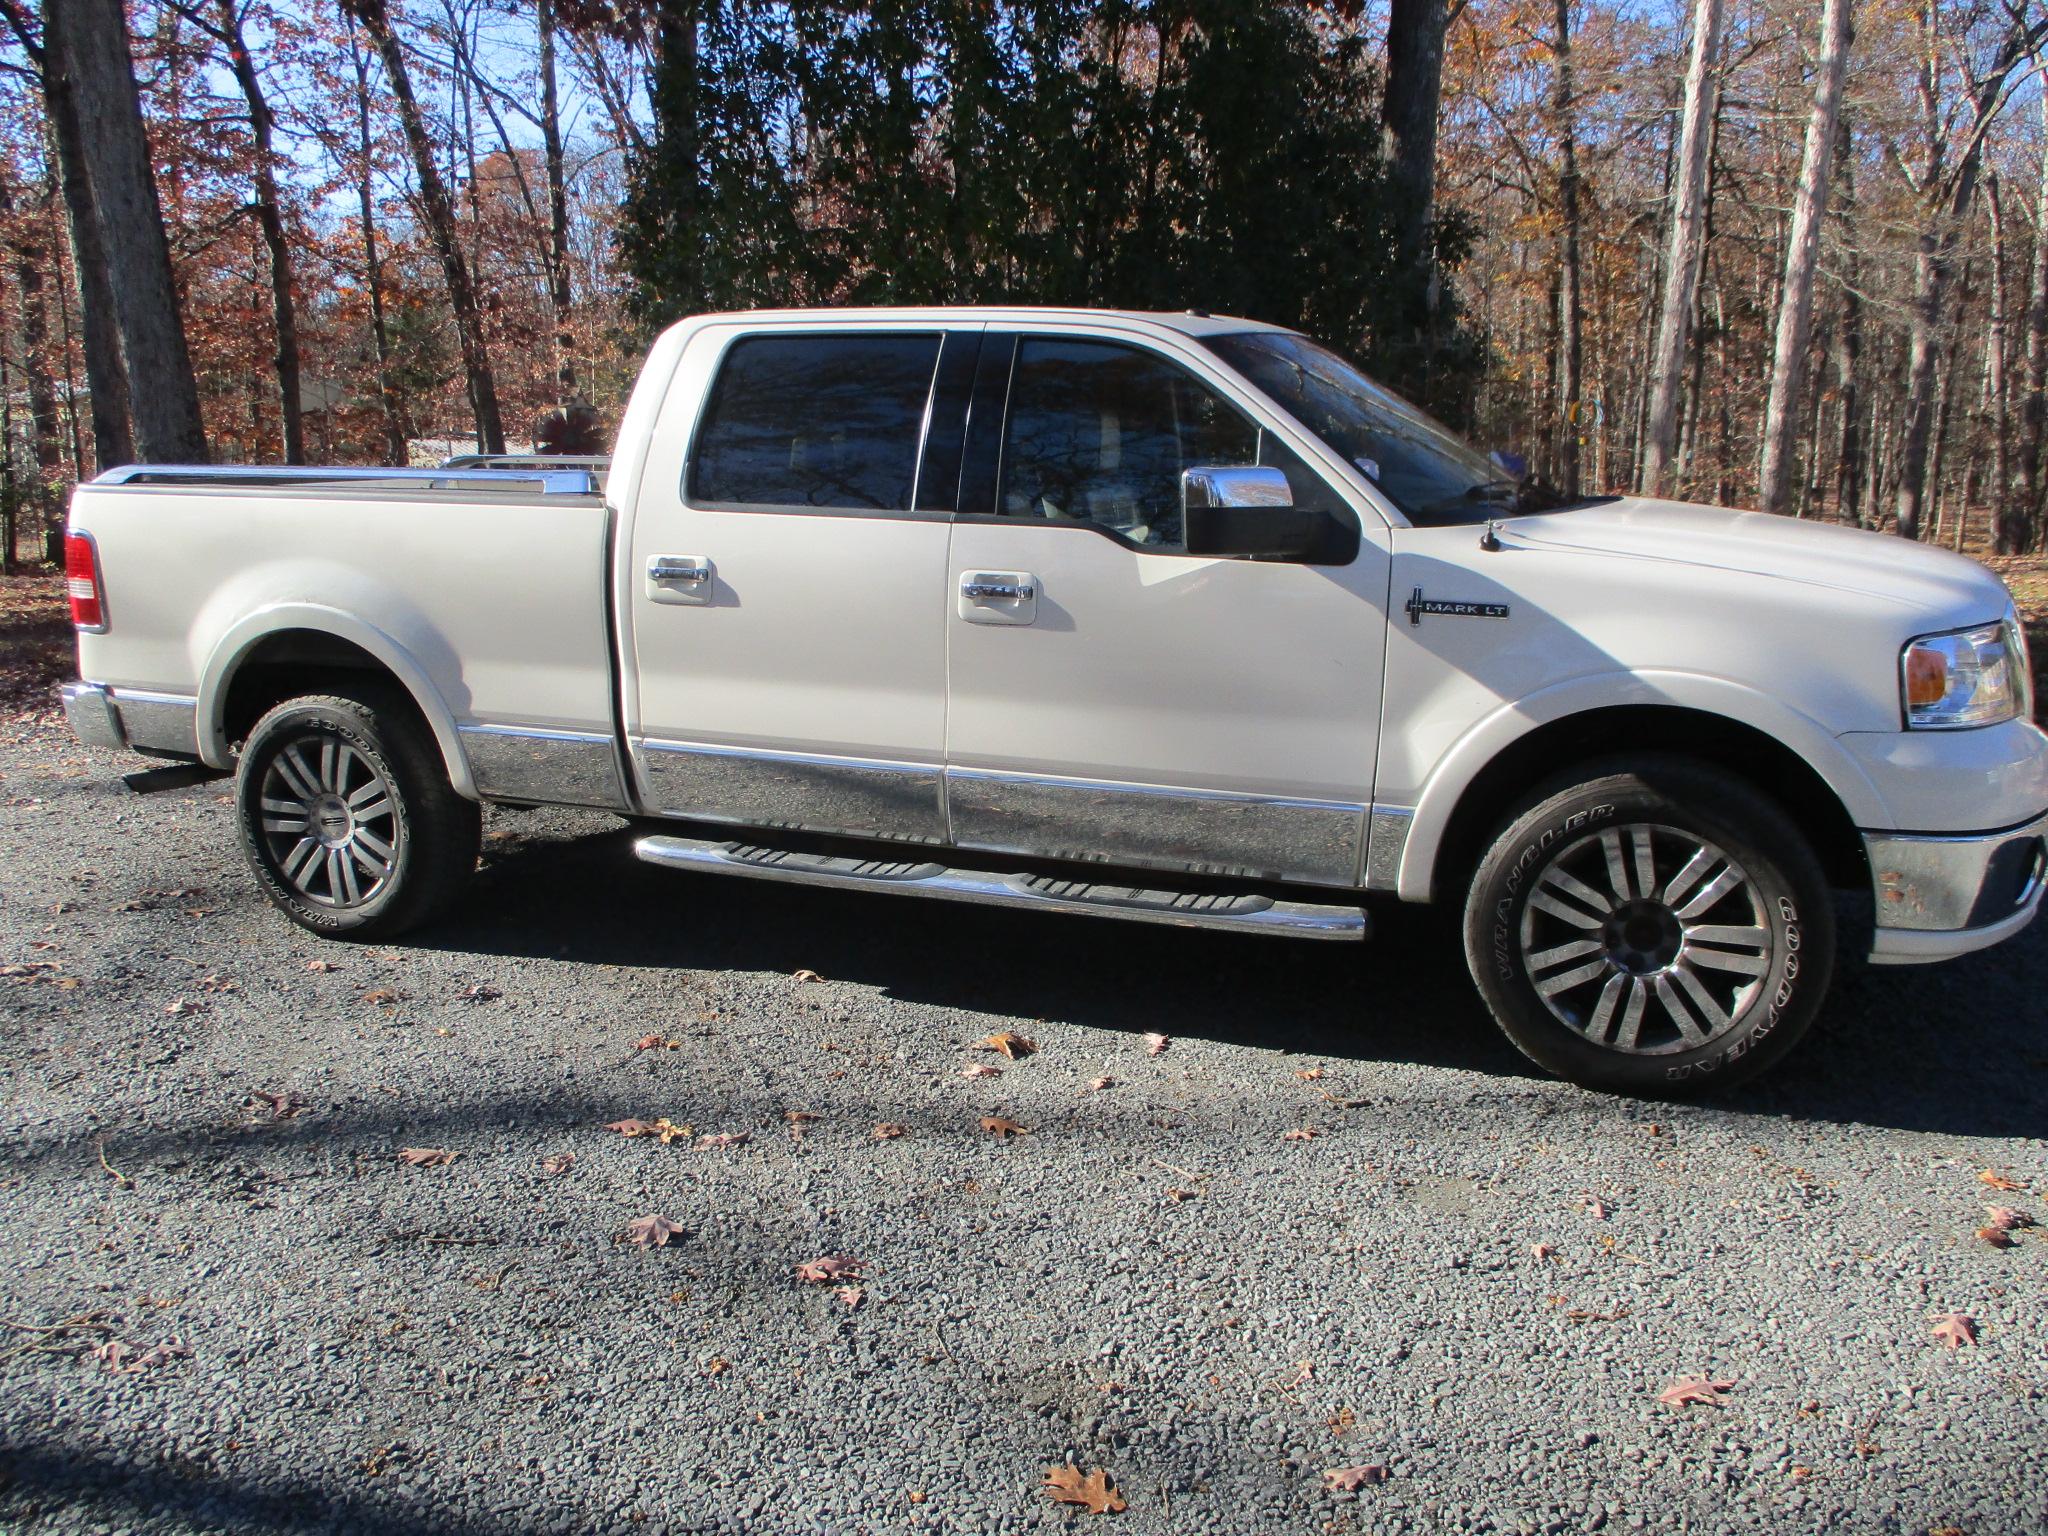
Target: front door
x=1112, y=698
x=787, y=663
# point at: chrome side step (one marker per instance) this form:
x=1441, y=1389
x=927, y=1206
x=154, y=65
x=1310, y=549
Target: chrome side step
x=1247, y=913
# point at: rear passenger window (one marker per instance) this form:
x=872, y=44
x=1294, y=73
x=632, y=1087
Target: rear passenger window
x=816, y=421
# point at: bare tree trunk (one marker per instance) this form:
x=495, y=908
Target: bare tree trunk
x=373, y=267
x=106, y=377
x=559, y=291
x=42, y=393
x=2033, y=407
x=1802, y=251
x=441, y=224
x=270, y=218
x=1415, y=70
x=88, y=40
x=1569, y=383
x=1681, y=262
x=2009, y=517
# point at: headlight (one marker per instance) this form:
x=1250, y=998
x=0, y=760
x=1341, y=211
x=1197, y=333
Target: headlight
x=1970, y=678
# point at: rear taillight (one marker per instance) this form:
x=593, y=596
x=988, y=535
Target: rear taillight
x=82, y=581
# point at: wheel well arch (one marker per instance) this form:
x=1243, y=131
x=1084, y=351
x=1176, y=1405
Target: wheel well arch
x=285, y=663
x=1755, y=756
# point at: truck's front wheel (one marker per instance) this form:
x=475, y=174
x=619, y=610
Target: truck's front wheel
x=1650, y=926
x=347, y=816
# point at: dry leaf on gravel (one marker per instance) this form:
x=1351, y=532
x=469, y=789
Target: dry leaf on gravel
x=656, y=1043
x=1156, y=1044
x=849, y=1296
x=558, y=1162
x=1301, y=1133
x=997, y=1126
x=1695, y=1389
x=651, y=1231
x=1999, y=1181
x=725, y=1139
x=631, y=1128
x=800, y=1116
x=1997, y=1237
x=1541, y=1251
x=1351, y=1479
x=425, y=1157
x=1097, y=1084
x=1011, y=1045
x=1310, y=1075
x=671, y=1133
x=282, y=1106
x=1093, y=1492
x=321, y=967
x=480, y=993
x=2006, y=1219
x=889, y=1131
x=185, y=1005
x=383, y=996
x=126, y=1359
x=980, y=1069
x=806, y=976
x=831, y=1269
x=1952, y=1330
x=1599, y=1210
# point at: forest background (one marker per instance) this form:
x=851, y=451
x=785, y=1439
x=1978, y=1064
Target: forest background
x=1769, y=253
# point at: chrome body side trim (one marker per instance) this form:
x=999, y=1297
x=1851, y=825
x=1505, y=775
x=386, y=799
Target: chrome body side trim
x=810, y=792
x=1242, y=914
x=1386, y=840
x=549, y=767
x=89, y=711
x=1214, y=832
x=545, y=481
x=1957, y=884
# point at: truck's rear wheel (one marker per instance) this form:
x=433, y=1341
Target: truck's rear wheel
x=1651, y=926
x=347, y=816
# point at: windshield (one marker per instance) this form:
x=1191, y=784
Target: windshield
x=1424, y=468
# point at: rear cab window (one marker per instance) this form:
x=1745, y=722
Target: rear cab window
x=810, y=421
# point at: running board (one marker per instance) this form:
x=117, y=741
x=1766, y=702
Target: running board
x=1245, y=913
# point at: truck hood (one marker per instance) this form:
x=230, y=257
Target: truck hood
x=1953, y=590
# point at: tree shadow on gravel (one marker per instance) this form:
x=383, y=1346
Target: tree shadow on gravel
x=1951, y=1048
x=41, y=1482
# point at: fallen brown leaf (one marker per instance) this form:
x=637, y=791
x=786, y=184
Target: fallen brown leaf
x=1997, y=1237
x=321, y=967
x=1301, y=1133
x=1695, y=1389
x=1952, y=1330
x=383, y=996
x=425, y=1157
x=849, y=1296
x=980, y=1069
x=651, y=1231
x=1092, y=1492
x=558, y=1162
x=889, y=1131
x=1310, y=1075
x=1351, y=1479
x=480, y=993
x=997, y=1126
x=2006, y=1219
x=832, y=1269
x=726, y=1139
x=185, y=1005
x=1541, y=1251
x=1156, y=1044
x=806, y=976
x=631, y=1128
x=1097, y=1084
x=800, y=1116
x=1598, y=1209
x=282, y=1106
x=1999, y=1181
x=1011, y=1045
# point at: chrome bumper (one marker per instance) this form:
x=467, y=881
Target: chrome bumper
x=161, y=724
x=1939, y=896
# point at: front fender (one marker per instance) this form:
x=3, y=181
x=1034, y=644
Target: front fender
x=1456, y=770
x=239, y=639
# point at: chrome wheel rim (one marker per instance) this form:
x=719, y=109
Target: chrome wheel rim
x=330, y=821
x=1646, y=940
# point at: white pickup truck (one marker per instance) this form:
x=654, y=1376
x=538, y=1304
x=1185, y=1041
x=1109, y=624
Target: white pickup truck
x=1173, y=618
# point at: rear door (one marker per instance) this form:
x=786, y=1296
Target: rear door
x=1115, y=699
x=787, y=566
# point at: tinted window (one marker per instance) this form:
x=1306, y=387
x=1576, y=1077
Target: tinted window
x=816, y=421
x=1100, y=433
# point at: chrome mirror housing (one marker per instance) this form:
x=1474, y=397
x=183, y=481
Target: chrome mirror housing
x=1234, y=485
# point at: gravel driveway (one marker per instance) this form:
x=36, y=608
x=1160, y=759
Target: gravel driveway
x=1471, y=1277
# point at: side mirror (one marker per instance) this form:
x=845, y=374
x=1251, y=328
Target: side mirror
x=1246, y=510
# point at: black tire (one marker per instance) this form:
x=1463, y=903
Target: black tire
x=1597, y=996
x=328, y=786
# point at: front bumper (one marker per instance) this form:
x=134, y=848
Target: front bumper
x=1940, y=895
x=155, y=724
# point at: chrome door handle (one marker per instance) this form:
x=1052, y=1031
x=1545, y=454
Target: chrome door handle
x=689, y=572
x=1013, y=591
